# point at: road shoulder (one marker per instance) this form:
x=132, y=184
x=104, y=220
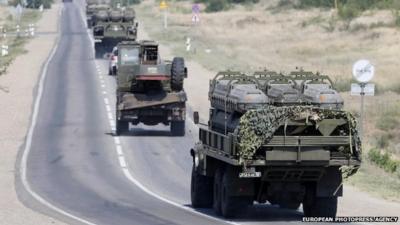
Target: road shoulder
x=17, y=102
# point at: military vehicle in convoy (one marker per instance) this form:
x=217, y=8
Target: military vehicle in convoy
x=92, y=7
x=272, y=137
x=149, y=89
x=113, y=26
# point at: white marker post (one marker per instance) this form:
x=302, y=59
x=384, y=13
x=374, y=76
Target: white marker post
x=164, y=7
x=363, y=72
x=4, y=50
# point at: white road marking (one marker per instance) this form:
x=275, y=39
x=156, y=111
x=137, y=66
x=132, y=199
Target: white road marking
x=108, y=108
x=106, y=101
x=110, y=116
x=122, y=161
x=117, y=141
x=119, y=150
x=103, y=86
x=104, y=93
x=28, y=144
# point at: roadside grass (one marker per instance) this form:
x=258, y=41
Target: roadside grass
x=16, y=44
x=374, y=180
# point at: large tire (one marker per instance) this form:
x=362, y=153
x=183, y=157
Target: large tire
x=177, y=73
x=217, y=191
x=121, y=127
x=231, y=205
x=319, y=206
x=178, y=128
x=201, y=190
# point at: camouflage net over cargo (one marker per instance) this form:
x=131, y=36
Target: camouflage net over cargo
x=258, y=126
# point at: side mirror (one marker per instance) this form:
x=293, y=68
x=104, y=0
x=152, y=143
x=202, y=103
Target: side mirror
x=196, y=117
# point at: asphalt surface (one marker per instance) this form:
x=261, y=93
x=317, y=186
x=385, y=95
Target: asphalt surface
x=73, y=163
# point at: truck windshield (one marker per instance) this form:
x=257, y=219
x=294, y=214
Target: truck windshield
x=129, y=56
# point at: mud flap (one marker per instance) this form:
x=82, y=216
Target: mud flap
x=330, y=183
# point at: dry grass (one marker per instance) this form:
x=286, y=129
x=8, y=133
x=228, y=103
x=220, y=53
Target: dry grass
x=241, y=38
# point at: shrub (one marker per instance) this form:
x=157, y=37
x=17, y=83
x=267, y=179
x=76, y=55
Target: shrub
x=348, y=12
x=397, y=19
x=216, y=5
x=219, y=5
x=384, y=160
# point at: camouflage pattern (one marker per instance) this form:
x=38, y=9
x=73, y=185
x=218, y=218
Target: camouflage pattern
x=258, y=126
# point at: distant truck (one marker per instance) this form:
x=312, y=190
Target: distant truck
x=149, y=89
x=113, y=26
x=92, y=8
x=271, y=137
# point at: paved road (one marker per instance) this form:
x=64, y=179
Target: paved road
x=74, y=162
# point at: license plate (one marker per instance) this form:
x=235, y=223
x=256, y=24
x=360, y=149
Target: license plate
x=249, y=174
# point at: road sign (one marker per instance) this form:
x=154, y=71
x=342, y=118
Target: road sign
x=367, y=90
x=163, y=5
x=196, y=8
x=363, y=71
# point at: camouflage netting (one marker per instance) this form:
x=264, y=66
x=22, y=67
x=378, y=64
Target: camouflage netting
x=258, y=126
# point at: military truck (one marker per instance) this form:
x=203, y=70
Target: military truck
x=149, y=89
x=272, y=137
x=92, y=7
x=113, y=26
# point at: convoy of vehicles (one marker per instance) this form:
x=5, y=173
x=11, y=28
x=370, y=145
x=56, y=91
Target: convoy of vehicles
x=270, y=137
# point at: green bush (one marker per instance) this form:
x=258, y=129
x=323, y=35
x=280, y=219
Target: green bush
x=216, y=5
x=384, y=160
x=219, y=5
x=348, y=12
x=397, y=19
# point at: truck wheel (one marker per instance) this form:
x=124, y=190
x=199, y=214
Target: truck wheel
x=121, y=127
x=231, y=205
x=217, y=191
x=178, y=128
x=201, y=190
x=177, y=73
x=319, y=206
